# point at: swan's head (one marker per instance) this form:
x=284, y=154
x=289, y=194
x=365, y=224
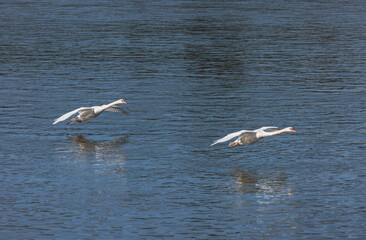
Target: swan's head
x=290, y=129
x=122, y=101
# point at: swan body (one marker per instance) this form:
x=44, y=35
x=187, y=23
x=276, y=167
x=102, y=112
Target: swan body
x=87, y=113
x=246, y=137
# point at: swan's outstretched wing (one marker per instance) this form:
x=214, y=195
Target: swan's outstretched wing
x=117, y=109
x=229, y=136
x=69, y=114
x=266, y=128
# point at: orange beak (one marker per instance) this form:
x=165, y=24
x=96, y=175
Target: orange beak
x=293, y=130
x=123, y=101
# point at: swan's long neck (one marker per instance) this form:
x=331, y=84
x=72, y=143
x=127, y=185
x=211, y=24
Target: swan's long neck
x=100, y=109
x=111, y=104
x=263, y=134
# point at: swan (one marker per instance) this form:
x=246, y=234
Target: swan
x=87, y=113
x=251, y=136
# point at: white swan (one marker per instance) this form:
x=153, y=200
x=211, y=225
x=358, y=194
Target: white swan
x=251, y=136
x=87, y=113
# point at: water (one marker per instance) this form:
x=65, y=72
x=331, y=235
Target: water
x=191, y=72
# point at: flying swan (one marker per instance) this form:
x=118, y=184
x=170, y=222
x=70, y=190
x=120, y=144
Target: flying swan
x=87, y=113
x=251, y=136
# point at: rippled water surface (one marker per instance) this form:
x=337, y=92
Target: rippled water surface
x=191, y=72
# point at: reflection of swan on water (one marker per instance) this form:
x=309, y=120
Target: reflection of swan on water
x=245, y=181
x=94, y=146
x=266, y=194
x=249, y=182
x=107, y=155
x=103, y=157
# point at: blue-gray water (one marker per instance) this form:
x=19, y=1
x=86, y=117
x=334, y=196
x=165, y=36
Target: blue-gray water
x=191, y=72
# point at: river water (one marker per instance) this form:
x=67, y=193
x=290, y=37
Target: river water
x=190, y=72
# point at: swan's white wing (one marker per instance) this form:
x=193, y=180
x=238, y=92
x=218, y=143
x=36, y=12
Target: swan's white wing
x=266, y=128
x=229, y=136
x=69, y=114
x=117, y=109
